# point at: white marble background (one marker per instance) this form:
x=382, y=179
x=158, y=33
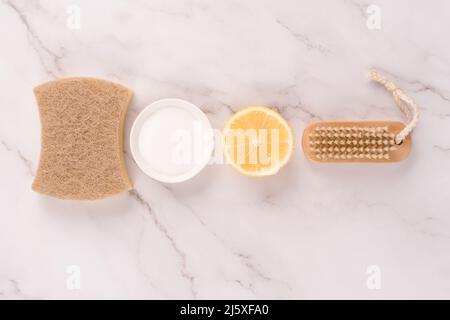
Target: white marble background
x=309, y=232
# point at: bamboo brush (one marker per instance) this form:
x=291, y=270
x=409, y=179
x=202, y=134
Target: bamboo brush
x=365, y=141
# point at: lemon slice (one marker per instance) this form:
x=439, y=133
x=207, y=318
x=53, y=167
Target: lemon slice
x=257, y=141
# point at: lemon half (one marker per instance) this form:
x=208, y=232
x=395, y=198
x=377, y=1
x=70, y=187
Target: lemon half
x=257, y=141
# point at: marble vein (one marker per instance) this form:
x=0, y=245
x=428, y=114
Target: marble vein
x=26, y=162
x=419, y=86
x=443, y=149
x=37, y=43
x=305, y=40
x=10, y=289
x=182, y=256
x=252, y=267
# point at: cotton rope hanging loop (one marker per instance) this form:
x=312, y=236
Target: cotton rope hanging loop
x=405, y=103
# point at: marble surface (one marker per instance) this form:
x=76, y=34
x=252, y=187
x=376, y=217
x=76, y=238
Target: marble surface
x=312, y=231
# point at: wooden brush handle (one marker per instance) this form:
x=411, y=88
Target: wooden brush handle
x=347, y=142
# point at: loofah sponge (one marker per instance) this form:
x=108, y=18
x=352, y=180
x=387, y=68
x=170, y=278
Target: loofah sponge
x=82, y=138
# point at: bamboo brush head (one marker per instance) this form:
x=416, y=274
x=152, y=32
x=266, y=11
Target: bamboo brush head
x=372, y=141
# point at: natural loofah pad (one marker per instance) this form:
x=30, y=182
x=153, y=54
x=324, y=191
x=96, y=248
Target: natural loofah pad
x=82, y=138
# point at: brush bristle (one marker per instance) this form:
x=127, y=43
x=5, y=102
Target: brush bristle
x=347, y=143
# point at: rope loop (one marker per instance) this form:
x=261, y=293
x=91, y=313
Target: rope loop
x=407, y=105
